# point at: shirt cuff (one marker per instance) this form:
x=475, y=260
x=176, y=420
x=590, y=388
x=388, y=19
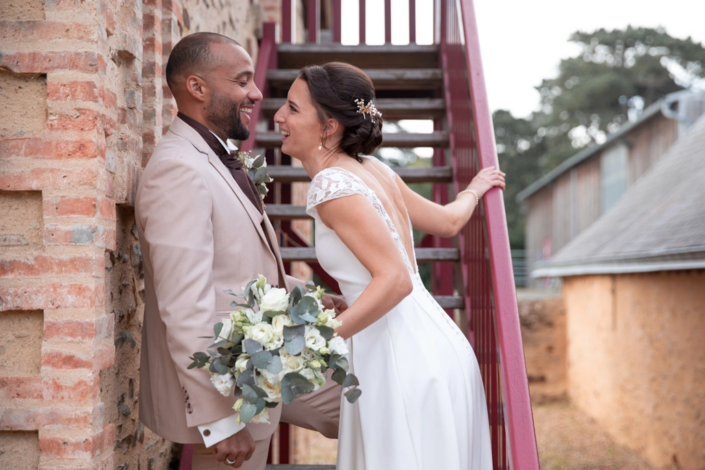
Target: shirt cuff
x=219, y=430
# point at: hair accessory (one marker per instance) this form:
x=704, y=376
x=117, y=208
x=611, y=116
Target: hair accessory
x=368, y=108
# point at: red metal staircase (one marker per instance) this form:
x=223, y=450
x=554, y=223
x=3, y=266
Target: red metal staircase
x=471, y=274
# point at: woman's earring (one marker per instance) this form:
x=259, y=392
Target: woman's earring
x=320, y=146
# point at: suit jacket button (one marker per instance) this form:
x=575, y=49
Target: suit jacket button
x=207, y=432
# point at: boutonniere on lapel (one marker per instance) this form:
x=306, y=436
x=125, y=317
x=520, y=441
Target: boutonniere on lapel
x=257, y=169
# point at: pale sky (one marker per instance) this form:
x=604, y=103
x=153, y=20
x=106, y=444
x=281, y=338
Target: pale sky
x=522, y=41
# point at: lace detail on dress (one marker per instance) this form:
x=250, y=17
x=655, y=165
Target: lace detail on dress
x=334, y=183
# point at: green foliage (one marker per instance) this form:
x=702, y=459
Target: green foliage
x=617, y=74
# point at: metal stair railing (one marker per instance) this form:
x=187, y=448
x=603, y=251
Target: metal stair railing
x=484, y=244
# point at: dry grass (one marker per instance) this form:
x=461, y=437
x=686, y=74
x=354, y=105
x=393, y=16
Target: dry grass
x=567, y=439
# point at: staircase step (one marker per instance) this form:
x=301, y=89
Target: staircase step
x=383, y=79
x=436, y=174
x=437, y=139
x=391, y=108
x=450, y=301
x=364, y=56
x=423, y=255
x=286, y=212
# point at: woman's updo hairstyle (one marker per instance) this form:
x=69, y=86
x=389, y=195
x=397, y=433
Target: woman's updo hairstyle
x=334, y=87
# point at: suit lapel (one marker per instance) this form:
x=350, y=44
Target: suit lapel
x=179, y=127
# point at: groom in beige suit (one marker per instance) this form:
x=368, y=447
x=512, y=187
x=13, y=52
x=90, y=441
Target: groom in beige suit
x=203, y=230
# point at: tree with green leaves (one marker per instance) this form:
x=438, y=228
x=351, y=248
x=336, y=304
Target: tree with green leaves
x=617, y=74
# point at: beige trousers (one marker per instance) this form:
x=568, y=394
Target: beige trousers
x=318, y=411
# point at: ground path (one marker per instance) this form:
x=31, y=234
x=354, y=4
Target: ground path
x=567, y=439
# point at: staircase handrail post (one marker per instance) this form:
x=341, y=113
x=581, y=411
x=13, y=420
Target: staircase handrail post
x=518, y=417
x=337, y=22
x=286, y=21
x=313, y=21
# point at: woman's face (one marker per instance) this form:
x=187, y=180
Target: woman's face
x=298, y=121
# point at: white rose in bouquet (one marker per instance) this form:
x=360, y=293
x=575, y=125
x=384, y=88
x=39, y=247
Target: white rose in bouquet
x=263, y=333
x=252, y=316
x=338, y=346
x=262, y=418
x=274, y=390
x=313, y=338
x=276, y=300
x=277, y=341
x=280, y=321
x=291, y=363
x=314, y=377
x=223, y=383
x=227, y=330
x=241, y=363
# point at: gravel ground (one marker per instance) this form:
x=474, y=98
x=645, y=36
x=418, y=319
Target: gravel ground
x=567, y=439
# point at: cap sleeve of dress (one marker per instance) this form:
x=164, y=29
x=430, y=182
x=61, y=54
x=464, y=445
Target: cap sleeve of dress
x=332, y=183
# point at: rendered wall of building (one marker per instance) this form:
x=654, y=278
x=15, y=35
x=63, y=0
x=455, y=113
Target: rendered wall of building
x=82, y=105
x=636, y=360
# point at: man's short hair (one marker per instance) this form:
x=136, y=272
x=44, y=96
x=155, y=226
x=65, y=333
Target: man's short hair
x=193, y=52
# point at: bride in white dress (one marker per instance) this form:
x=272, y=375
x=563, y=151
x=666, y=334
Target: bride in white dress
x=423, y=403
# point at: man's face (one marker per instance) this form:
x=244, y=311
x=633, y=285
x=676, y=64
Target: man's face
x=233, y=92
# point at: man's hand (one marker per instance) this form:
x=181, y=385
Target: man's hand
x=237, y=448
x=334, y=302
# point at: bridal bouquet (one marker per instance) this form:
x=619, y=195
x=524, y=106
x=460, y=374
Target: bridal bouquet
x=277, y=345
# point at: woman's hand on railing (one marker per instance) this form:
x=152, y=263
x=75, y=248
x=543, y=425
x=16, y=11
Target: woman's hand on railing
x=486, y=179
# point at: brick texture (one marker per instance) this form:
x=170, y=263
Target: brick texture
x=84, y=104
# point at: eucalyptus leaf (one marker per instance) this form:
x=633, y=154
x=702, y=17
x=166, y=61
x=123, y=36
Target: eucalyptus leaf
x=246, y=378
x=273, y=313
x=260, y=175
x=249, y=394
x=271, y=404
x=260, y=405
x=251, y=172
x=252, y=347
x=247, y=412
x=235, y=304
x=338, y=376
x=353, y=395
x=296, y=294
x=294, y=341
x=230, y=292
x=259, y=161
x=342, y=363
x=294, y=384
x=263, y=189
x=310, y=286
x=275, y=366
x=261, y=359
x=237, y=337
x=326, y=331
x=350, y=381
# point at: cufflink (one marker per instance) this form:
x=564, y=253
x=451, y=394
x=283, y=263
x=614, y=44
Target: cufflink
x=207, y=432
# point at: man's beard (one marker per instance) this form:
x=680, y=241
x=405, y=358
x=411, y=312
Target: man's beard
x=226, y=115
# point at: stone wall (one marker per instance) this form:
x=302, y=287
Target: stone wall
x=83, y=102
x=636, y=361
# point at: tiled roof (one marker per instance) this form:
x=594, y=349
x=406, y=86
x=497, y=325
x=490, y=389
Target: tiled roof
x=659, y=221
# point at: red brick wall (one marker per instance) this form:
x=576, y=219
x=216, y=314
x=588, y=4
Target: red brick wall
x=83, y=102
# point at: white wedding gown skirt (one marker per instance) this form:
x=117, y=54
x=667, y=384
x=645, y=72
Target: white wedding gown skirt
x=423, y=403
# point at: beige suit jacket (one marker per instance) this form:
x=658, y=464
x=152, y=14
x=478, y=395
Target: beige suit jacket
x=200, y=235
